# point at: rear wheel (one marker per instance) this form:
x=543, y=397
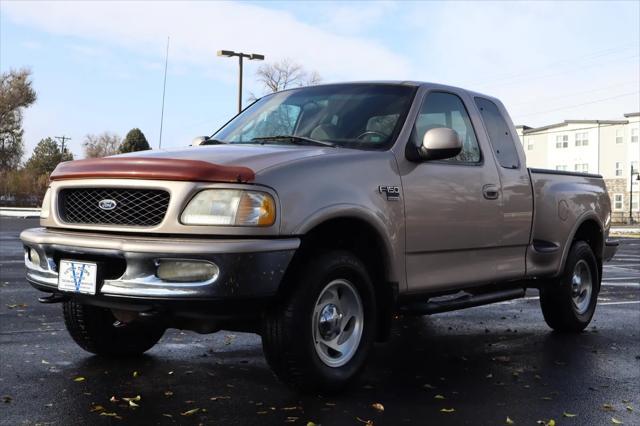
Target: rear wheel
x=568, y=303
x=318, y=336
x=96, y=330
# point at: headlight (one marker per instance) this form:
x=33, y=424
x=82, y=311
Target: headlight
x=46, y=205
x=230, y=207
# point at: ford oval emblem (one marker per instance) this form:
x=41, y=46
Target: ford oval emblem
x=107, y=204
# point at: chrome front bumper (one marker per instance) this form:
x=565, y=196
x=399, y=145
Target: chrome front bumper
x=249, y=268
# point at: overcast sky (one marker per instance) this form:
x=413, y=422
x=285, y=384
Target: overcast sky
x=99, y=66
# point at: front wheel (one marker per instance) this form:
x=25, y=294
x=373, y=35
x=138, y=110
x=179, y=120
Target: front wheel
x=568, y=303
x=96, y=330
x=317, y=337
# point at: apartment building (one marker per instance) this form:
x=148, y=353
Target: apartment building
x=610, y=148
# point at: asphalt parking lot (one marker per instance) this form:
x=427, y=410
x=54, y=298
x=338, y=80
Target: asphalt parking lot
x=474, y=367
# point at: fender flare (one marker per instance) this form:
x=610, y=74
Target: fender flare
x=589, y=215
x=359, y=212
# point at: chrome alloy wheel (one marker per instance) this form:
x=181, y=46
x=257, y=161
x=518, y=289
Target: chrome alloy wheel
x=338, y=319
x=581, y=286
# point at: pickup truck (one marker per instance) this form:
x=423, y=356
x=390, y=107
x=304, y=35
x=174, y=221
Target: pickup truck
x=313, y=218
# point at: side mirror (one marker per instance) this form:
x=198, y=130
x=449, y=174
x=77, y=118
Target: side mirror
x=440, y=143
x=199, y=140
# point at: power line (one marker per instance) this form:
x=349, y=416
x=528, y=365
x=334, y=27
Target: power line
x=580, y=104
x=568, y=95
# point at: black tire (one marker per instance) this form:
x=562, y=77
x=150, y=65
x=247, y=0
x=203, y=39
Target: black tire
x=92, y=328
x=287, y=338
x=556, y=298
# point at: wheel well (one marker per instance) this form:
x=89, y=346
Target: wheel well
x=364, y=241
x=589, y=231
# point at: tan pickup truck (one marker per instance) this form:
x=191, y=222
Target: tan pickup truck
x=312, y=218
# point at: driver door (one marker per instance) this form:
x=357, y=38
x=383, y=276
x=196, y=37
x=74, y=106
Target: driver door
x=452, y=222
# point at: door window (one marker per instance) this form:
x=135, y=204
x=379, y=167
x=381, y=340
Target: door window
x=499, y=134
x=440, y=109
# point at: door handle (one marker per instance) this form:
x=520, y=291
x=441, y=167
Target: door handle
x=490, y=192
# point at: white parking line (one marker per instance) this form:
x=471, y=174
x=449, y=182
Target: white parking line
x=11, y=261
x=622, y=284
x=629, y=302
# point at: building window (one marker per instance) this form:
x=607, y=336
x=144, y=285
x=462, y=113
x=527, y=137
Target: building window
x=582, y=139
x=561, y=168
x=634, y=167
x=562, y=141
x=529, y=144
x=634, y=135
x=582, y=168
x=619, y=168
x=620, y=136
x=618, y=202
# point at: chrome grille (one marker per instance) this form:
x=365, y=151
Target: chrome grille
x=133, y=207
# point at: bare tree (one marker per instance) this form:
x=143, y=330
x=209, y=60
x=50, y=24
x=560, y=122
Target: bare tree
x=276, y=76
x=103, y=145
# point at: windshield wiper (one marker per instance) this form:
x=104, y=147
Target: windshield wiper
x=211, y=141
x=299, y=140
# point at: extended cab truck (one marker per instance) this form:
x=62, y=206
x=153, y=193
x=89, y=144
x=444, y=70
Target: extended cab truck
x=311, y=218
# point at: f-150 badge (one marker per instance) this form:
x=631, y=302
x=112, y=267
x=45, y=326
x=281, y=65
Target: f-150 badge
x=393, y=192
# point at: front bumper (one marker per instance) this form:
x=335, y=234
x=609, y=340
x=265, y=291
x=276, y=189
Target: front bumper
x=248, y=268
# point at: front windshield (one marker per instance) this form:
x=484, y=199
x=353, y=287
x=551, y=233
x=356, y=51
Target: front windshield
x=353, y=115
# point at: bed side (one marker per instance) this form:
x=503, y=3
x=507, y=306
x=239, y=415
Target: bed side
x=566, y=205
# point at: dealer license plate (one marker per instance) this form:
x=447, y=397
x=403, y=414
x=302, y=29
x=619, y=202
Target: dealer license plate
x=77, y=277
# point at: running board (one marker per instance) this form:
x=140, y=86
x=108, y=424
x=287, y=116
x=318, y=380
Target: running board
x=462, y=302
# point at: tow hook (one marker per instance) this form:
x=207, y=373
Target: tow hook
x=53, y=298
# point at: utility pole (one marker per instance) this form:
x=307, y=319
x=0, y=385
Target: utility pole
x=164, y=89
x=240, y=55
x=62, y=140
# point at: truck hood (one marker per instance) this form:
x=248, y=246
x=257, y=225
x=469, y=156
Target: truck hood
x=254, y=157
x=217, y=163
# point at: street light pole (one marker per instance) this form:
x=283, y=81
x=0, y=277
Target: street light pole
x=241, y=56
x=631, y=193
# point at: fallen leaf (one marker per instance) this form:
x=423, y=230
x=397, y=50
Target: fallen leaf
x=133, y=404
x=608, y=407
x=616, y=421
x=190, y=412
x=503, y=359
x=79, y=379
x=216, y=398
x=378, y=407
x=439, y=397
x=113, y=399
x=168, y=393
x=365, y=422
x=551, y=422
x=135, y=374
x=565, y=414
x=167, y=415
x=291, y=408
x=311, y=424
x=96, y=408
x=135, y=399
x=489, y=376
x=447, y=410
x=6, y=399
x=111, y=414
x=509, y=421
x=45, y=362
x=428, y=386
x=629, y=408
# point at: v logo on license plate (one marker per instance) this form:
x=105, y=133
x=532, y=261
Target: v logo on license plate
x=77, y=276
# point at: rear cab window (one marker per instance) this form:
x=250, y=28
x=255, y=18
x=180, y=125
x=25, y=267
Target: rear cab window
x=500, y=136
